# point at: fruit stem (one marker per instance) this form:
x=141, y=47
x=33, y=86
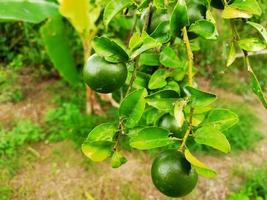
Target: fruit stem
x=190, y=80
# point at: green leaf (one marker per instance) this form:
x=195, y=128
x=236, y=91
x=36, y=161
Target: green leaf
x=163, y=100
x=149, y=59
x=78, y=15
x=257, y=88
x=102, y=132
x=178, y=74
x=168, y=58
x=56, y=43
x=132, y=107
x=141, y=80
x=159, y=4
x=109, y=49
x=162, y=32
x=151, y=115
x=150, y=138
x=201, y=168
x=250, y=6
x=231, y=13
x=146, y=44
x=199, y=98
x=212, y=137
x=113, y=8
x=117, y=159
x=260, y=28
x=252, y=44
x=221, y=119
x=157, y=80
x=173, y=85
x=97, y=151
x=231, y=56
x=33, y=11
x=179, y=18
x=204, y=28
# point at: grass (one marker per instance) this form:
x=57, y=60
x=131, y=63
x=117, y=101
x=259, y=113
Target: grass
x=254, y=184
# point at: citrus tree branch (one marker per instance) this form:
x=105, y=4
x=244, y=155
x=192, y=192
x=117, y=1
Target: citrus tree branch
x=190, y=80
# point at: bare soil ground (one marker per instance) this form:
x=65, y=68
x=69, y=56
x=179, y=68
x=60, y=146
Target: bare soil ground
x=61, y=173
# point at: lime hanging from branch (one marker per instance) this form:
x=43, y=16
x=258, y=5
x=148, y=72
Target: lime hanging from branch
x=103, y=76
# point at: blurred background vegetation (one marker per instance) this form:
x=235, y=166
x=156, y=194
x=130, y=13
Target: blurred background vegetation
x=25, y=66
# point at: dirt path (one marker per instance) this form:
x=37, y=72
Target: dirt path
x=61, y=174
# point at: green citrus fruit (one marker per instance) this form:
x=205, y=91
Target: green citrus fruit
x=103, y=76
x=169, y=122
x=172, y=174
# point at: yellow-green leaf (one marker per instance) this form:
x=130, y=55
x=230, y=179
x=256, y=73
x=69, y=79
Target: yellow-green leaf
x=77, y=12
x=201, y=168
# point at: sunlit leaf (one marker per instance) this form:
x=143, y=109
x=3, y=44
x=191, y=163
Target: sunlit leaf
x=201, y=168
x=250, y=6
x=117, y=159
x=109, y=49
x=198, y=97
x=212, y=137
x=252, y=44
x=97, y=151
x=178, y=112
x=221, y=119
x=77, y=12
x=102, y=132
x=260, y=28
x=157, y=79
x=231, y=55
x=230, y=13
x=168, y=58
x=204, y=28
x=132, y=107
x=113, y=8
x=151, y=137
x=257, y=88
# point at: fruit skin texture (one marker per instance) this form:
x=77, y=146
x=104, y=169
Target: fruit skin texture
x=168, y=122
x=103, y=76
x=172, y=174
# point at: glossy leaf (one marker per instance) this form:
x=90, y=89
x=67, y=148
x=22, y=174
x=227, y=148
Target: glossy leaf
x=204, y=28
x=257, y=88
x=109, y=49
x=132, y=107
x=201, y=168
x=32, y=11
x=77, y=12
x=178, y=74
x=97, y=151
x=53, y=34
x=250, y=6
x=159, y=4
x=162, y=32
x=117, y=159
x=179, y=18
x=157, y=80
x=102, y=132
x=231, y=55
x=149, y=59
x=113, y=8
x=212, y=137
x=252, y=44
x=199, y=98
x=260, y=28
x=147, y=44
x=230, y=13
x=163, y=100
x=173, y=85
x=150, y=138
x=221, y=119
x=168, y=58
